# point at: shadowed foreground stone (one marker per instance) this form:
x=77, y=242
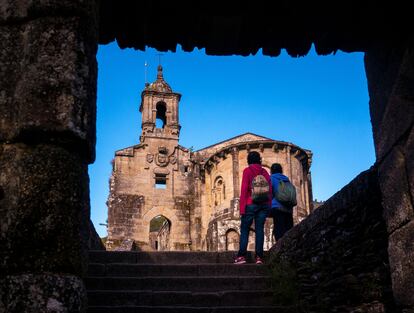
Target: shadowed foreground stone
x=202, y=282
x=17, y=10
x=339, y=253
x=401, y=261
x=48, y=79
x=396, y=197
x=49, y=293
x=41, y=223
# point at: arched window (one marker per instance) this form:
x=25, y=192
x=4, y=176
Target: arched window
x=218, y=190
x=161, y=117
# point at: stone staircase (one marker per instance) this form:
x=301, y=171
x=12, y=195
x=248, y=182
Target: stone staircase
x=177, y=282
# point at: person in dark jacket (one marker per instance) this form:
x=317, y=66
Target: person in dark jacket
x=250, y=211
x=282, y=215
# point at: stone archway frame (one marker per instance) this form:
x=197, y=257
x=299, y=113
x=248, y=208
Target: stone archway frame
x=223, y=227
x=158, y=211
x=389, y=109
x=231, y=230
x=218, y=175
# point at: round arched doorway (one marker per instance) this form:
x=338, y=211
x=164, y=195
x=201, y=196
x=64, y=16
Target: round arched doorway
x=159, y=234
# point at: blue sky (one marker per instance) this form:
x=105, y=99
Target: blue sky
x=319, y=103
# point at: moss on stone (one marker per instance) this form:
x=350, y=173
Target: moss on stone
x=284, y=283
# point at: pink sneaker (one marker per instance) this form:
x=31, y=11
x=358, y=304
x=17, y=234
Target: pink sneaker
x=259, y=260
x=240, y=260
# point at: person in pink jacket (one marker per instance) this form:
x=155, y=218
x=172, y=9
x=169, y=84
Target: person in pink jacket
x=251, y=209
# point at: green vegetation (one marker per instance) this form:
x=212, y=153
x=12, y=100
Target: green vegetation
x=157, y=222
x=284, y=283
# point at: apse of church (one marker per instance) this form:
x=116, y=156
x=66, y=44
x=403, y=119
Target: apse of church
x=165, y=197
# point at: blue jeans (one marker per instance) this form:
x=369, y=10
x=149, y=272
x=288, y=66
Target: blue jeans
x=282, y=222
x=258, y=213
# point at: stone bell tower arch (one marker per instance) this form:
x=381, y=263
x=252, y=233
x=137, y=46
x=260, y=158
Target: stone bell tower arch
x=153, y=178
x=159, y=102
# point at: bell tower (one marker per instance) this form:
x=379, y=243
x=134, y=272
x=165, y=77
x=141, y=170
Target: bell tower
x=159, y=109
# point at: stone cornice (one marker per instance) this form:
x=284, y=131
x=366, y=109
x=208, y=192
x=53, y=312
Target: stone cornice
x=296, y=151
x=129, y=151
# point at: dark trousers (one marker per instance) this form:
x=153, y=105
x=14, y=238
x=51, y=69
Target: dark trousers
x=258, y=213
x=282, y=222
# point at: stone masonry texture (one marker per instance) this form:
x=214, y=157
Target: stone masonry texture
x=200, y=198
x=33, y=293
x=390, y=72
x=41, y=224
x=47, y=139
x=339, y=252
x=48, y=74
x=47, y=115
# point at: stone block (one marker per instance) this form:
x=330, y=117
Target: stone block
x=396, y=198
x=397, y=120
x=32, y=293
x=48, y=77
x=44, y=210
x=409, y=157
x=401, y=254
x=16, y=10
x=391, y=89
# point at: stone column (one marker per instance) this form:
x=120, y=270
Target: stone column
x=174, y=111
x=236, y=181
x=306, y=189
x=289, y=162
x=47, y=139
x=150, y=106
x=390, y=73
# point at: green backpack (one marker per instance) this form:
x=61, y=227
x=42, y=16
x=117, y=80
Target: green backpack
x=286, y=194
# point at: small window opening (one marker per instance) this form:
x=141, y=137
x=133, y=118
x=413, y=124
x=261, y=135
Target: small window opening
x=186, y=169
x=160, y=181
x=161, y=117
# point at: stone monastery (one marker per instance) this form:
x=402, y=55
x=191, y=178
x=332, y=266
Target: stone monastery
x=164, y=196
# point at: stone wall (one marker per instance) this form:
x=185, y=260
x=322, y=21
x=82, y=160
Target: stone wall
x=338, y=256
x=47, y=139
x=94, y=242
x=47, y=120
x=135, y=200
x=226, y=166
x=390, y=73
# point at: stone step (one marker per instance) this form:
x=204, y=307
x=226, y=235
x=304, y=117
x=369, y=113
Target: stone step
x=164, y=257
x=173, y=283
x=139, y=270
x=186, y=309
x=179, y=298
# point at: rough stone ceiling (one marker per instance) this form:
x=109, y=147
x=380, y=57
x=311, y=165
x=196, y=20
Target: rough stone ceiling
x=332, y=25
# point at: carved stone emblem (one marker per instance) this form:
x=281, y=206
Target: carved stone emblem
x=161, y=158
x=150, y=157
x=173, y=159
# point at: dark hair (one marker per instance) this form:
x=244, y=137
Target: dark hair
x=276, y=168
x=254, y=158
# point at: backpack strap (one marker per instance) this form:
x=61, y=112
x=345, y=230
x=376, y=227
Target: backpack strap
x=261, y=172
